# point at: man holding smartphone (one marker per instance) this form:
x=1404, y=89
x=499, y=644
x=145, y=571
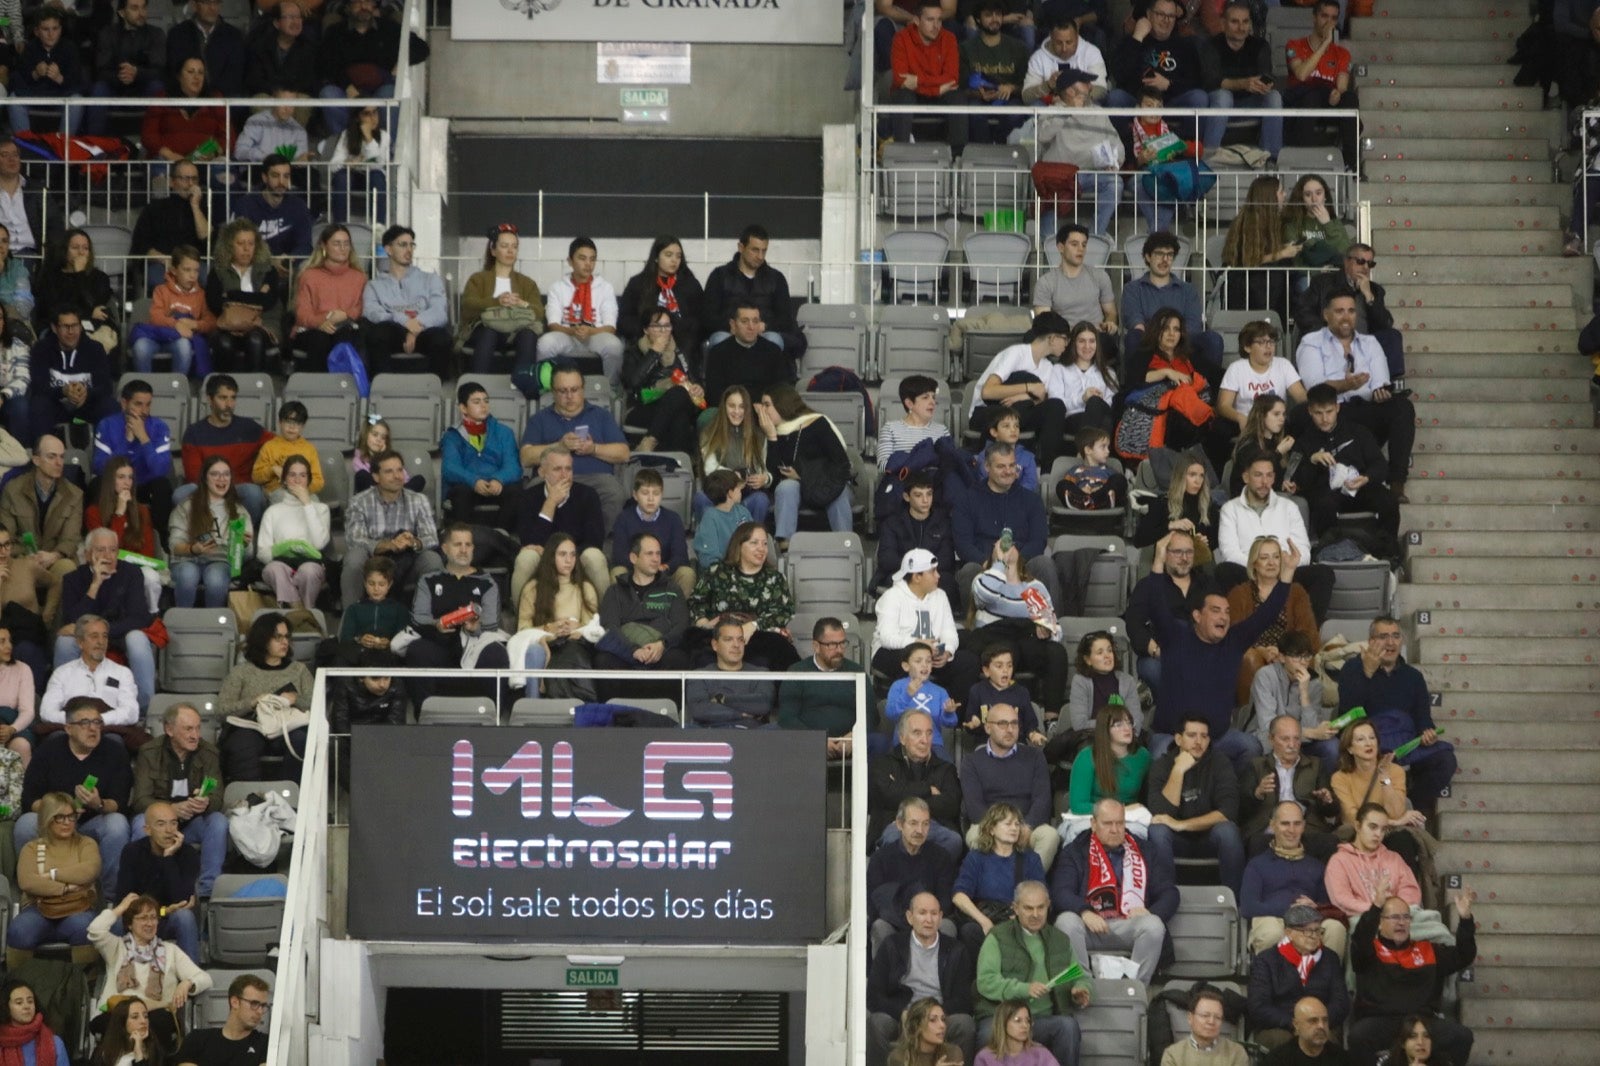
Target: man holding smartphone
x=1238, y=73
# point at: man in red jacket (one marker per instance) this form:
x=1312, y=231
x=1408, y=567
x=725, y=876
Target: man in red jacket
x=926, y=68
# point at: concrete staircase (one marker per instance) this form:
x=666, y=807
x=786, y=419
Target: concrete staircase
x=1502, y=601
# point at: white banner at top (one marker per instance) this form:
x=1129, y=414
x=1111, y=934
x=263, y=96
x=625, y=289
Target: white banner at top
x=697, y=21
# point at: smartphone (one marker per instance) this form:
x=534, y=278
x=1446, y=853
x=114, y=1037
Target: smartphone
x=581, y=432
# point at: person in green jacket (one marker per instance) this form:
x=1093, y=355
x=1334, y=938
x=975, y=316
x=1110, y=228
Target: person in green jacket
x=1018, y=960
x=818, y=703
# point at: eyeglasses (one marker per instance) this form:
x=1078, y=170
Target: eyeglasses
x=1180, y=552
x=64, y=818
x=1363, y=262
x=255, y=1004
x=1397, y=918
x=88, y=723
x=1313, y=930
x=1162, y=253
x=1153, y=13
x=1004, y=723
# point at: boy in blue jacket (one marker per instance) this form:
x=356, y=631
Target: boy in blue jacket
x=480, y=463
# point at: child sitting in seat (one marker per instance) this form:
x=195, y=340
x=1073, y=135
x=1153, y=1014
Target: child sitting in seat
x=268, y=471
x=917, y=692
x=1092, y=485
x=179, y=319
x=725, y=489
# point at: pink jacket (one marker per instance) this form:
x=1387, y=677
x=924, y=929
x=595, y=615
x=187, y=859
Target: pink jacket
x=1352, y=875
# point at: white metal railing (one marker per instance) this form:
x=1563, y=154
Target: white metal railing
x=305, y=925
x=1586, y=183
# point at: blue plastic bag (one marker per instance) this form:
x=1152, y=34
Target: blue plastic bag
x=344, y=359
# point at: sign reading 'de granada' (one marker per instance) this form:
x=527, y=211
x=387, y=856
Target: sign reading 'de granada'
x=582, y=834
x=708, y=21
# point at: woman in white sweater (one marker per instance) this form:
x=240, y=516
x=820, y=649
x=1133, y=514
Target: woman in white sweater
x=140, y=964
x=294, y=532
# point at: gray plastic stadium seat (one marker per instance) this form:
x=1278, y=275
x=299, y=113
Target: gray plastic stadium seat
x=836, y=335
x=242, y=931
x=1075, y=627
x=827, y=572
x=333, y=404
x=916, y=264
x=1360, y=590
x=112, y=245
x=172, y=401
x=996, y=265
x=201, y=650
x=980, y=346
x=337, y=487
x=210, y=1008
x=848, y=412
x=412, y=404
x=1109, y=585
x=659, y=705
x=420, y=458
x=458, y=710
x=992, y=177
x=235, y=792
x=1113, y=1026
x=915, y=180
x=913, y=340
x=1205, y=932
x=531, y=711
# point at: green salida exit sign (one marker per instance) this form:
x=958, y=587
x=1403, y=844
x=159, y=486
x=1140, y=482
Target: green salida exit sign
x=592, y=977
x=644, y=98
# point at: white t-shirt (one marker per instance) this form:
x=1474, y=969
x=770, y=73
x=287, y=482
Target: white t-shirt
x=1008, y=361
x=1240, y=378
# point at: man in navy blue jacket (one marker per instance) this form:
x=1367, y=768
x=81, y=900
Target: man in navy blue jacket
x=1200, y=667
x=995, y=505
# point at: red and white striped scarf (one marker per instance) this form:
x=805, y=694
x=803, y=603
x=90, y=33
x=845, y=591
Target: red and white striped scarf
x=1302, y=963
x=1104, y=895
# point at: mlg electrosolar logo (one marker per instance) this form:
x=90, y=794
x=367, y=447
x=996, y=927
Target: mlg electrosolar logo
x=559, y=834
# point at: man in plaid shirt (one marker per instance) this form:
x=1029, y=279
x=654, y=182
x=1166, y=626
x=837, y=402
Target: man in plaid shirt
x=389, y=519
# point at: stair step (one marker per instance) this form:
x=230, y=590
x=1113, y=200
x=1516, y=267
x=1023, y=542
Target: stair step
x=1578, y=272
x=1432, y=369
x=1379, y=98
x=1457, y=122
x=1495, y=981
x=1537, y=767
x=1381, y=172
x=1566, y=469
x=1387, y=219
x=1551, y=1047
x=1462, y=194
x=1467, y=859
x=1523, y=736
x=1475, y=679
x=1404, y=75
x=1551, y=651
x=1533, y=953
x=1513, y=707
x=1435, y=388
x=1448, y=519
x=1530, y=1014
x=1465, y=148
x=1484, y=492
x=1551, y=442
x=1426, y=29
x=1420, y=293
x=1409, y=320
x=1497, y=572
x=1444, y=242
x=1444, y=545
x=1458, y=622
x=1569, y=414
x=1492, y=53
x=1415, y=598
x=1531, y=827
x=1509, y=799
x=1391, y=9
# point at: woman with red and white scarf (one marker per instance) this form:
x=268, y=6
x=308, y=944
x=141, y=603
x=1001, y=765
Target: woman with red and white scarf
x=666, y=282
x=25, y=1039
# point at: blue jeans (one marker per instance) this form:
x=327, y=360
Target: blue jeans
x=19, y=113
x=338, y=118
x=371, y=179
x=1326, y=751
x=1106, y=191
x=1271, y=128
x=1058, y=1032
x=759, y=504
x=188, y=575
x=1235, y=746
x=1149, y=671
x=29, y=929
x=141, y=660
x=182, y=349
x=110, y=831
x=250, y=494
x=1221, y=842
x=209, y=833
x=786, y=502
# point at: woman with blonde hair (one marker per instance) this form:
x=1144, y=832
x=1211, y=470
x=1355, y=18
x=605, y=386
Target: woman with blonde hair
x=59, y=873
x=1187, y=508
x=734, y=440
x=1264, y=565
x=1000, y=860
x=1011, y=1043
x=922, y=1032
x=328, y=298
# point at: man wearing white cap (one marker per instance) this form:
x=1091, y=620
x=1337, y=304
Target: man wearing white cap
x=914, y=609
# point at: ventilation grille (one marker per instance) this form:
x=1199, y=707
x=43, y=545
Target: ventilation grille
x=646, y=1021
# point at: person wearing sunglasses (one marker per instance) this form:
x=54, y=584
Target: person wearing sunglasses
x=1371, y=314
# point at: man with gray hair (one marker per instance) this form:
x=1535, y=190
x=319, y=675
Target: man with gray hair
x=911, y=770
x=904, y=866
x=184, y=771
x=1018, y=960
x=907, y=966
x=115, y=591
x=90, y=673
x=560, y=503
x=1298, y=965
